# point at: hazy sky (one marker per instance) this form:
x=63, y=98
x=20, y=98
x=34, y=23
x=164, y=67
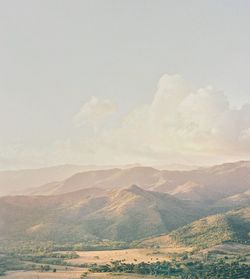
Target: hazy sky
x=79, y=82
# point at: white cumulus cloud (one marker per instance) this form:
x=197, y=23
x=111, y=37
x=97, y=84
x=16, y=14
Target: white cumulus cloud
x=185, y=122
x=94, y=112
x=182, y=124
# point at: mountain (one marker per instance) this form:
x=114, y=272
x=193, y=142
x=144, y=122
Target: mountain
x=14, y=181
x=204, y=184
x=115, y=178
x=232, y=226
x=18, y=181
x=196, y=192
x=238, y=200
x=125, y=214
x=174, y=167
x=226, y=179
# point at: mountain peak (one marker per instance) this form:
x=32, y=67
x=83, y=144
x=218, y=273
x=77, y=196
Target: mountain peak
x=135, y=189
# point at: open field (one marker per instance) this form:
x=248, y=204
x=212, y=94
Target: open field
x=127, y=256
x=69, y=275
x=73, y=274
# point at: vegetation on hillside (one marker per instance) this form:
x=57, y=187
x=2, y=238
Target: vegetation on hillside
x=182, y=270
x=232, y=226
x=216, y=229
x=76, y=217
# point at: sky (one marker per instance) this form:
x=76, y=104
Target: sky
x=118, y=82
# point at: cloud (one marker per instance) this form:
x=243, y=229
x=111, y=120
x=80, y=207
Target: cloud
x=94, y=112
x=184, y=122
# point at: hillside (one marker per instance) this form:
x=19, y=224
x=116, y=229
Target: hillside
x=126, y=214
x=238, y=200
x=233, y=226
x=194, y=191
x=204, y=184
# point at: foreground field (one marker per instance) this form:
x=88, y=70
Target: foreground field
x=44, y=275
x=69, y=275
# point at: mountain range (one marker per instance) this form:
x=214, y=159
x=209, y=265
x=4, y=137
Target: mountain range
x=125, y=214
x=20, y=181
x=102, y=204
x=203, y=184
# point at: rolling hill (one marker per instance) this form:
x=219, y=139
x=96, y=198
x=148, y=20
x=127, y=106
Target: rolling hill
x=125, y=214
x=232, y=226
x=238, y=200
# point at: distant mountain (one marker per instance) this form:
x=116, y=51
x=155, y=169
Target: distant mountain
x=204, y=184
x=232, y=226
x=116, y=178
x=226, y=179
x=174, y=167
x=126, y=214
x=195, y=192
x=18, y=181
x=15, y=181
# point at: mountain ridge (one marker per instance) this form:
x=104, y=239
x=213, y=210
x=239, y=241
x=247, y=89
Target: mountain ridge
x=124, y=214
x=231, y=226
x=205, y=184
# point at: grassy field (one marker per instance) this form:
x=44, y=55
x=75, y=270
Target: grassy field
x=147, y=255
x=73, y=274
x=69, y=275
x=127, y=256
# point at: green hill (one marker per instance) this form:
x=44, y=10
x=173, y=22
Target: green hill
x=233, y=226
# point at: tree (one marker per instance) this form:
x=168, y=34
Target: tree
x=84, y=275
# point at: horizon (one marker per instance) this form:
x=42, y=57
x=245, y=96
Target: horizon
x=174, y=167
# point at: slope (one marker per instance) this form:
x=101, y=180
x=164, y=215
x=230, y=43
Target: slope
x=93, y=214
x=238, y=200
x=233, y=226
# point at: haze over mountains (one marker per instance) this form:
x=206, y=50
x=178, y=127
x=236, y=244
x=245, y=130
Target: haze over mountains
x=13, y=181
x=122, y=204
x=204, y=184
x=18, y=181
x=126, y=214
